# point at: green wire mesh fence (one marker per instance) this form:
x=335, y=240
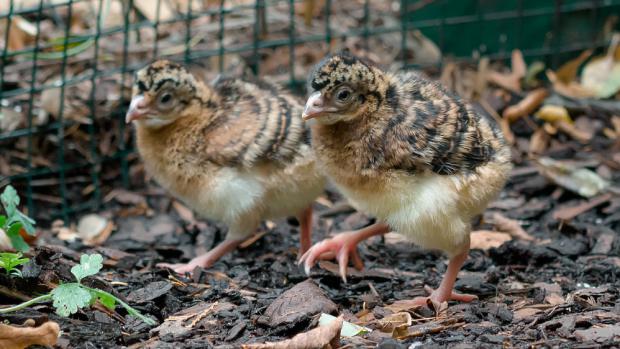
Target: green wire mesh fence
x=66, y=65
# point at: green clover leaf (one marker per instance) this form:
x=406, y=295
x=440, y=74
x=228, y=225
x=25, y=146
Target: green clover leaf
x=27, y=222
x=90, y=264
x=10, y=200
x=69, y=298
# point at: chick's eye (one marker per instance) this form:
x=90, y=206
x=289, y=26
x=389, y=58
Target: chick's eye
x=165, y=98
x=343, y=95
x=166, y=101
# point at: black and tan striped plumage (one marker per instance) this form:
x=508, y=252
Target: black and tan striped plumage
x=237, y=151
x=407, y=122
x=405, y=150
x=243, y=122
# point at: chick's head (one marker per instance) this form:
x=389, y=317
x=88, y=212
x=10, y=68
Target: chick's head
x=342, y=88
x=162, y=92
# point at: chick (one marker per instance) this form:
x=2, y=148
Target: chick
x=236, y=152
x=405, y=150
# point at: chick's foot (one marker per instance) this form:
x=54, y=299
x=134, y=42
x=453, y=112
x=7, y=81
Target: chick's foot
x=343, y=247
x=440, y=296
x=445, y=290
x=205, y=260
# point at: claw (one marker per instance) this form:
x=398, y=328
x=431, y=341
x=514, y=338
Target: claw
x=339, y=247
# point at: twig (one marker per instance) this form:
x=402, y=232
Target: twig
x=431, y=330
x=13, y=294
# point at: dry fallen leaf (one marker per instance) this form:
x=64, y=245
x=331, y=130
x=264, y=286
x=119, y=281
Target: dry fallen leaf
x=348, y=329
x=21, y=33
x=395, y=323
x=487, y=239
x=432, y=327
x=568, y=71
x=94, y=229
x=572, y=89
x=602, y=74
x=252, y=239
x=5, y=243
x=323, y=337
x=13, y=337
x=566, y=213
x=615, y=132
x=512, y=81
x=150, y=10
x=53, y=104
x=184, y=321
x=579, y=180
x=575, y=133
x=553, y=113
x=184, y=212
x=510, y=226
x=526, y=106
x=525, y=314
x=531, y=77
x=125, y=197
x=403, y=305
x=10, y=118
x=539, y=141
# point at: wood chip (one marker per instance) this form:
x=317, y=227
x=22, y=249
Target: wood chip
x=13, y=337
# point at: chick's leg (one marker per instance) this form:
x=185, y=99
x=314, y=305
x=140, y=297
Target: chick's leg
x=445, y=290
x=343, y=246
x=305, y=230
x=204, y=260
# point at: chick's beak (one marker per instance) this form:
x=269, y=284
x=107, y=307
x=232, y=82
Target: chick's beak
x=315, y=106
x=137, y=109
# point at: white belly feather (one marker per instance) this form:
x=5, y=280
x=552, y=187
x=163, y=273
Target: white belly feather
x=424, y=208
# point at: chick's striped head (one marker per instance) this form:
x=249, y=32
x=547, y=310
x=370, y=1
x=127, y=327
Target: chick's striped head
x=343, y=87
x=164, y=91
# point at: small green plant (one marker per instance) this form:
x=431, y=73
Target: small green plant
x=9, y=261
x=14, y=220
x=70, y=297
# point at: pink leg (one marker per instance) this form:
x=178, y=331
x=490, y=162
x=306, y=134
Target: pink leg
x=340, y=247
x=205, y=260
x=305, y=230
x=445, y=291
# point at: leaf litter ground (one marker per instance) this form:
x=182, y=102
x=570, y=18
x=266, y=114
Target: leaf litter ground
x=560, y=289
x=545, y=264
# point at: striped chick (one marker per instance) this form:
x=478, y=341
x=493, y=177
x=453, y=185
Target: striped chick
x=405, y=150
x=236, y=152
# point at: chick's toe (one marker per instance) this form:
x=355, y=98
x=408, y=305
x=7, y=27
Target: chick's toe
x=343, y=247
